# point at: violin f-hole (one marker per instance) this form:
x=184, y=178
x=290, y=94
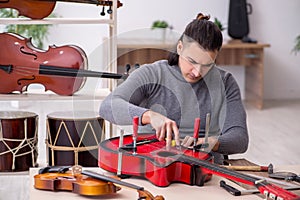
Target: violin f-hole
x=25, y=79
x=4, y=1
x=27, y=53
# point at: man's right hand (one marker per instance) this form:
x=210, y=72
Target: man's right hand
x=165, y=128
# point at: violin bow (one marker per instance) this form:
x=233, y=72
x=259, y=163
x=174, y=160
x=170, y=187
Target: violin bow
x=143, y=194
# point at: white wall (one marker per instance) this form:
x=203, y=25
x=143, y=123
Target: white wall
x=272, y=21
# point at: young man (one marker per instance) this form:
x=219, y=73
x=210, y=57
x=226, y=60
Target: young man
x=168, y=95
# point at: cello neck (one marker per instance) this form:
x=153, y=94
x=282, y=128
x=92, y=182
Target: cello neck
x=97, y=2
x=70, y=72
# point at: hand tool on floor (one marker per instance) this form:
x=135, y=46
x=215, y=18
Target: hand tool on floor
x=289, y=176
x=235, y=192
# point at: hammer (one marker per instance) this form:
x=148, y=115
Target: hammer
x=256, y=168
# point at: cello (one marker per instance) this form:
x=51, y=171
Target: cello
x=149, y=159
x=62, y=70
x=39, y=9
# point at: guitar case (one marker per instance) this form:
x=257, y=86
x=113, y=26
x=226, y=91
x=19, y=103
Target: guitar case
x=238, y=26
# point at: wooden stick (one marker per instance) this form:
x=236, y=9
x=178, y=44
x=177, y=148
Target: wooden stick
x=250, y=168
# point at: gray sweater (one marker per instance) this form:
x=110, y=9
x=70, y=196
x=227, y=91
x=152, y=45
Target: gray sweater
x=161, y=88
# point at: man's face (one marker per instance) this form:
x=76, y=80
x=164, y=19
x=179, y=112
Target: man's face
x=194, y=61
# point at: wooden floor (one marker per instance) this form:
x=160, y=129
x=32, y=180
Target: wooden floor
x=274, y=133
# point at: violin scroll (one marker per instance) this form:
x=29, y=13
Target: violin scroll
x=144, y=194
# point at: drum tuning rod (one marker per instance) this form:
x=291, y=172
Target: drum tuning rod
x=135, y=132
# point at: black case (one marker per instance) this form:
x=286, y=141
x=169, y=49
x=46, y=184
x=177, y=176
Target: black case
x=238, y=26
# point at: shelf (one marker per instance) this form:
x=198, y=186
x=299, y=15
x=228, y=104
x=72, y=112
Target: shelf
x=50, y=96
x=56, y=21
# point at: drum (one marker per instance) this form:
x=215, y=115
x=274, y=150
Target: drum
x=18, y=140
x=73, y=138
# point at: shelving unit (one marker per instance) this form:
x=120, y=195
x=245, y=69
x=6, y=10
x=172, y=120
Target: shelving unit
x=45, y=103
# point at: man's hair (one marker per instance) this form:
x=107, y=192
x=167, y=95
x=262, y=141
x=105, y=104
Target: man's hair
x=204, y=32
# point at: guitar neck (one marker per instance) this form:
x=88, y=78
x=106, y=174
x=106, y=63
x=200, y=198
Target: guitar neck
x=267, y=189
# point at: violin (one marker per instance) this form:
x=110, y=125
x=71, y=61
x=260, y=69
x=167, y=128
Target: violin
x=86, y=183
x=148, y=158
x=62, y=70
x=78, y=184
x=39, y=9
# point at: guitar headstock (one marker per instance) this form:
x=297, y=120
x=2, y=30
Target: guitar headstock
x=274, y=192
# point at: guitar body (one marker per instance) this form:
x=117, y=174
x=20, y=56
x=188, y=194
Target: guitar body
x=153, y=162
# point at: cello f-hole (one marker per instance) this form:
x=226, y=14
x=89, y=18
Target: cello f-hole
x=27, y=53
x=25, y=79
x=4, y=1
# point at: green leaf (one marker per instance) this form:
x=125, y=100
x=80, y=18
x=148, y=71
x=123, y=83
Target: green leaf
x=219, y=24
x=38, y=32
x=296, y=48
x=159, y=24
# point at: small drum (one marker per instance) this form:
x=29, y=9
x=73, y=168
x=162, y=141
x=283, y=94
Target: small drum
x=73, y=138
x=18, y=140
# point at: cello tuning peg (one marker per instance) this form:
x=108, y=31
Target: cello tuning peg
x=136, y=65
x=127, y=68
x=109, y=11
x=102, y=12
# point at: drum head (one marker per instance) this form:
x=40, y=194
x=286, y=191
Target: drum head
x=74, y=115
x=16, y=114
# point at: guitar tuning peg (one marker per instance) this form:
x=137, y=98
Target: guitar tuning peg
x=109, y=11
x=102, y=12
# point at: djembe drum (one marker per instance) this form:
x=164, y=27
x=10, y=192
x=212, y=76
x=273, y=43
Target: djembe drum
x=73, y=138
x=18, y=140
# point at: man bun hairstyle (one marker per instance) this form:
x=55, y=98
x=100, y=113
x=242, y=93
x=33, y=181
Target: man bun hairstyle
x=201, y=16
x=205, y=32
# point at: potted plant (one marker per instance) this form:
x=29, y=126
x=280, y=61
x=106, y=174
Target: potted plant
x=160, y=26
x=219, y=24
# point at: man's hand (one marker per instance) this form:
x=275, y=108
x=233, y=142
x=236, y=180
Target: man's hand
x=165, y=128
x=213, y=142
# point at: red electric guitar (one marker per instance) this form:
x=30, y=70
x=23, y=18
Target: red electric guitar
x=148, y=158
